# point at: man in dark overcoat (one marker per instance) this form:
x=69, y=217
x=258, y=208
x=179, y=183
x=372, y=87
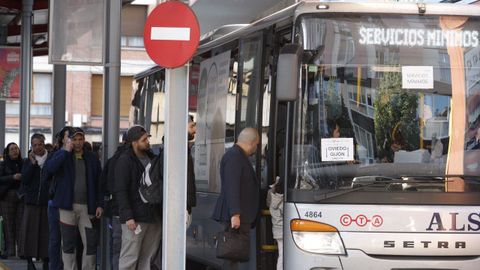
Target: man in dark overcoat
x=238, y=204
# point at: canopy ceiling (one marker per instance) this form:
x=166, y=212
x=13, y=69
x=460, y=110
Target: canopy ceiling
x=10, y=24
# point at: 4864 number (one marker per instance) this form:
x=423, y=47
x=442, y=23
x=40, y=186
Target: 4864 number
x=313, y=214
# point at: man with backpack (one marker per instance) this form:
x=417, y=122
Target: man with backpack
x=140, y=219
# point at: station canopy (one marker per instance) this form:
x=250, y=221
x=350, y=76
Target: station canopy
x=10, y=24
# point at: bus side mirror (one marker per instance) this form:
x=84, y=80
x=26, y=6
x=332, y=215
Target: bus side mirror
x=288, y=72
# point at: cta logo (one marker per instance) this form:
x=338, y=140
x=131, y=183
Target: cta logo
x=361, y=220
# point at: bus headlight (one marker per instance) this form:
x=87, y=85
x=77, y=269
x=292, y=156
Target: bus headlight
x=317, y=237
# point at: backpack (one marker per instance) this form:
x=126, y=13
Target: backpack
x=151, y=183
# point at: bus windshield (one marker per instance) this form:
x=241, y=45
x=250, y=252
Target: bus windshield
x=388, y=111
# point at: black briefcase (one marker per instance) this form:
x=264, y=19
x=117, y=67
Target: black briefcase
x=233, y=245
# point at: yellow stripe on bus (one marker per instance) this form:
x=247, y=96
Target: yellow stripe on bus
x=269, y=247
x=265, y=212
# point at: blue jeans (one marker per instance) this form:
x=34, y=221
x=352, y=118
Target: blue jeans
x=55, y=240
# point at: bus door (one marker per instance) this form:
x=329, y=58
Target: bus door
x=260, y=109
x=250, y=103
x=275, y=113
x=229, y=97
x=212, y=99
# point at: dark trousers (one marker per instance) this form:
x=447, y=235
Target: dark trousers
x=12, y=211
x=55, y=240
x=116, y=241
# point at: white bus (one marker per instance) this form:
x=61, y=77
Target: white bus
x=370, y=115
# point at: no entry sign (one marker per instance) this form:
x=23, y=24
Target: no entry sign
x=171, y=34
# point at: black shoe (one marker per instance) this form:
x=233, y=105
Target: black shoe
x=45, y=265
x=31, y=265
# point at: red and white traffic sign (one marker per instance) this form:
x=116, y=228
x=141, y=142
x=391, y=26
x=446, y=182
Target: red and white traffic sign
x=171, y=34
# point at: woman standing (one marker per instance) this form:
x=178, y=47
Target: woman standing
x=10, y=204
x=34, y=240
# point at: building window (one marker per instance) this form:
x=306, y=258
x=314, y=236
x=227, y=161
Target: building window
x=41, y=100
x=125, y=95
x=132, y=41
x=133, y=21
x=12, y=107
x=42, y=95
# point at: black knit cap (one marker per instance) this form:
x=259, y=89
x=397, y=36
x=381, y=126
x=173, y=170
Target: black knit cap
x=136, y=132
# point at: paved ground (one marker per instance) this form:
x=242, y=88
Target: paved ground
x=16, y=264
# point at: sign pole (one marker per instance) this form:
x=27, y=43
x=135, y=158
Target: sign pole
x=175, y=168
x=171, y=35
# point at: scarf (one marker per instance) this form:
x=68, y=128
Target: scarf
x=41, y=159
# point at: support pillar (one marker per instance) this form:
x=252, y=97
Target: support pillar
x=3, y=41
x=111, y=104
x=59, y=98
x=26, y=75
x=2, y=123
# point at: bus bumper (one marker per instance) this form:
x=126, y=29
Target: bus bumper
x=358, y=260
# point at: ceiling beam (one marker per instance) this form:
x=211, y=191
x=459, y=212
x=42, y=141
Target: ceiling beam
x=15, y=30
x=40, y=52
x=11, y=4
x=35, y=47
x=37, y=50
x=17, y=5
x=40, y=4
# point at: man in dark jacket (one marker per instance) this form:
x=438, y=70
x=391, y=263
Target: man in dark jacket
x=238, y=204
x=141, y=222
x=191, y=188
x=78, y=197
x=54, y=234
x=34, y=243
x=108, y=184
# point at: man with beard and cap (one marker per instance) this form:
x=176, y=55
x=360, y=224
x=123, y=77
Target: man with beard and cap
x=191, y=188
x=141, y=222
